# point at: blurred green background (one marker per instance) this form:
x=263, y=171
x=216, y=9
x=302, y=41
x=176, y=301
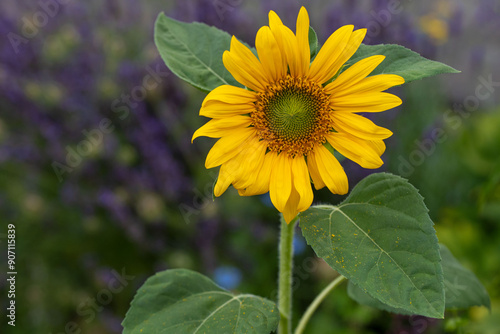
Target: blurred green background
x=99, y=176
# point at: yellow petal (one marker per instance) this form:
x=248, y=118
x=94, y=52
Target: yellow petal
x=224, y=179
x=351, y=47
x=330, y=170
x=291, y=50
x=276, y=25
x=228, y=147
x=323, y=65
x=261, y=183
x=217, y=109
x=291, y=209
x=355, y=149
x=217, y=128
x=251, y=62
x=280, y=185
x=250, y=161
x=269, y=54
x=242, y=71
x=243, y=168
x=302, y=34
x=353, y=75
x=377, y=145
x=274, y=20
x=230, y=95
x=358, y=126
x=315, y=176
x=302, y=183
x=366, y=102
x=373, y=84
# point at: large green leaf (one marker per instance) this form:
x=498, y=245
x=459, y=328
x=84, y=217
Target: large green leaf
x=193, y=52
x=382, y=239
x=182, y=301
x=401, y=61
x=462, y=288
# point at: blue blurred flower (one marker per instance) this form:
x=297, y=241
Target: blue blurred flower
x=227, y=277
x=299, y=244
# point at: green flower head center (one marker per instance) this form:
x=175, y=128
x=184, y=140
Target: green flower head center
x=292, y=115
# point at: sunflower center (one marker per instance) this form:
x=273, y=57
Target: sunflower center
x=291, y=113
x=292, y=116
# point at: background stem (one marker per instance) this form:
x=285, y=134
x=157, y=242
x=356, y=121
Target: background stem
x=285, y=276
x=314, y=305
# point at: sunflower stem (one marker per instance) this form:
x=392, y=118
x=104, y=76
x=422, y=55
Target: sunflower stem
x=314, y=305
x=285, y=276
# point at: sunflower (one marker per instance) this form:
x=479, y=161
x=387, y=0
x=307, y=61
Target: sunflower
x=277, y=135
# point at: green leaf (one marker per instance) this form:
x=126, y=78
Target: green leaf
x=313, y=42
x=401, y=61
x=462, y=288
x=193, y=52
x=365, y=299
x=382, y=239
x=183, y=301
